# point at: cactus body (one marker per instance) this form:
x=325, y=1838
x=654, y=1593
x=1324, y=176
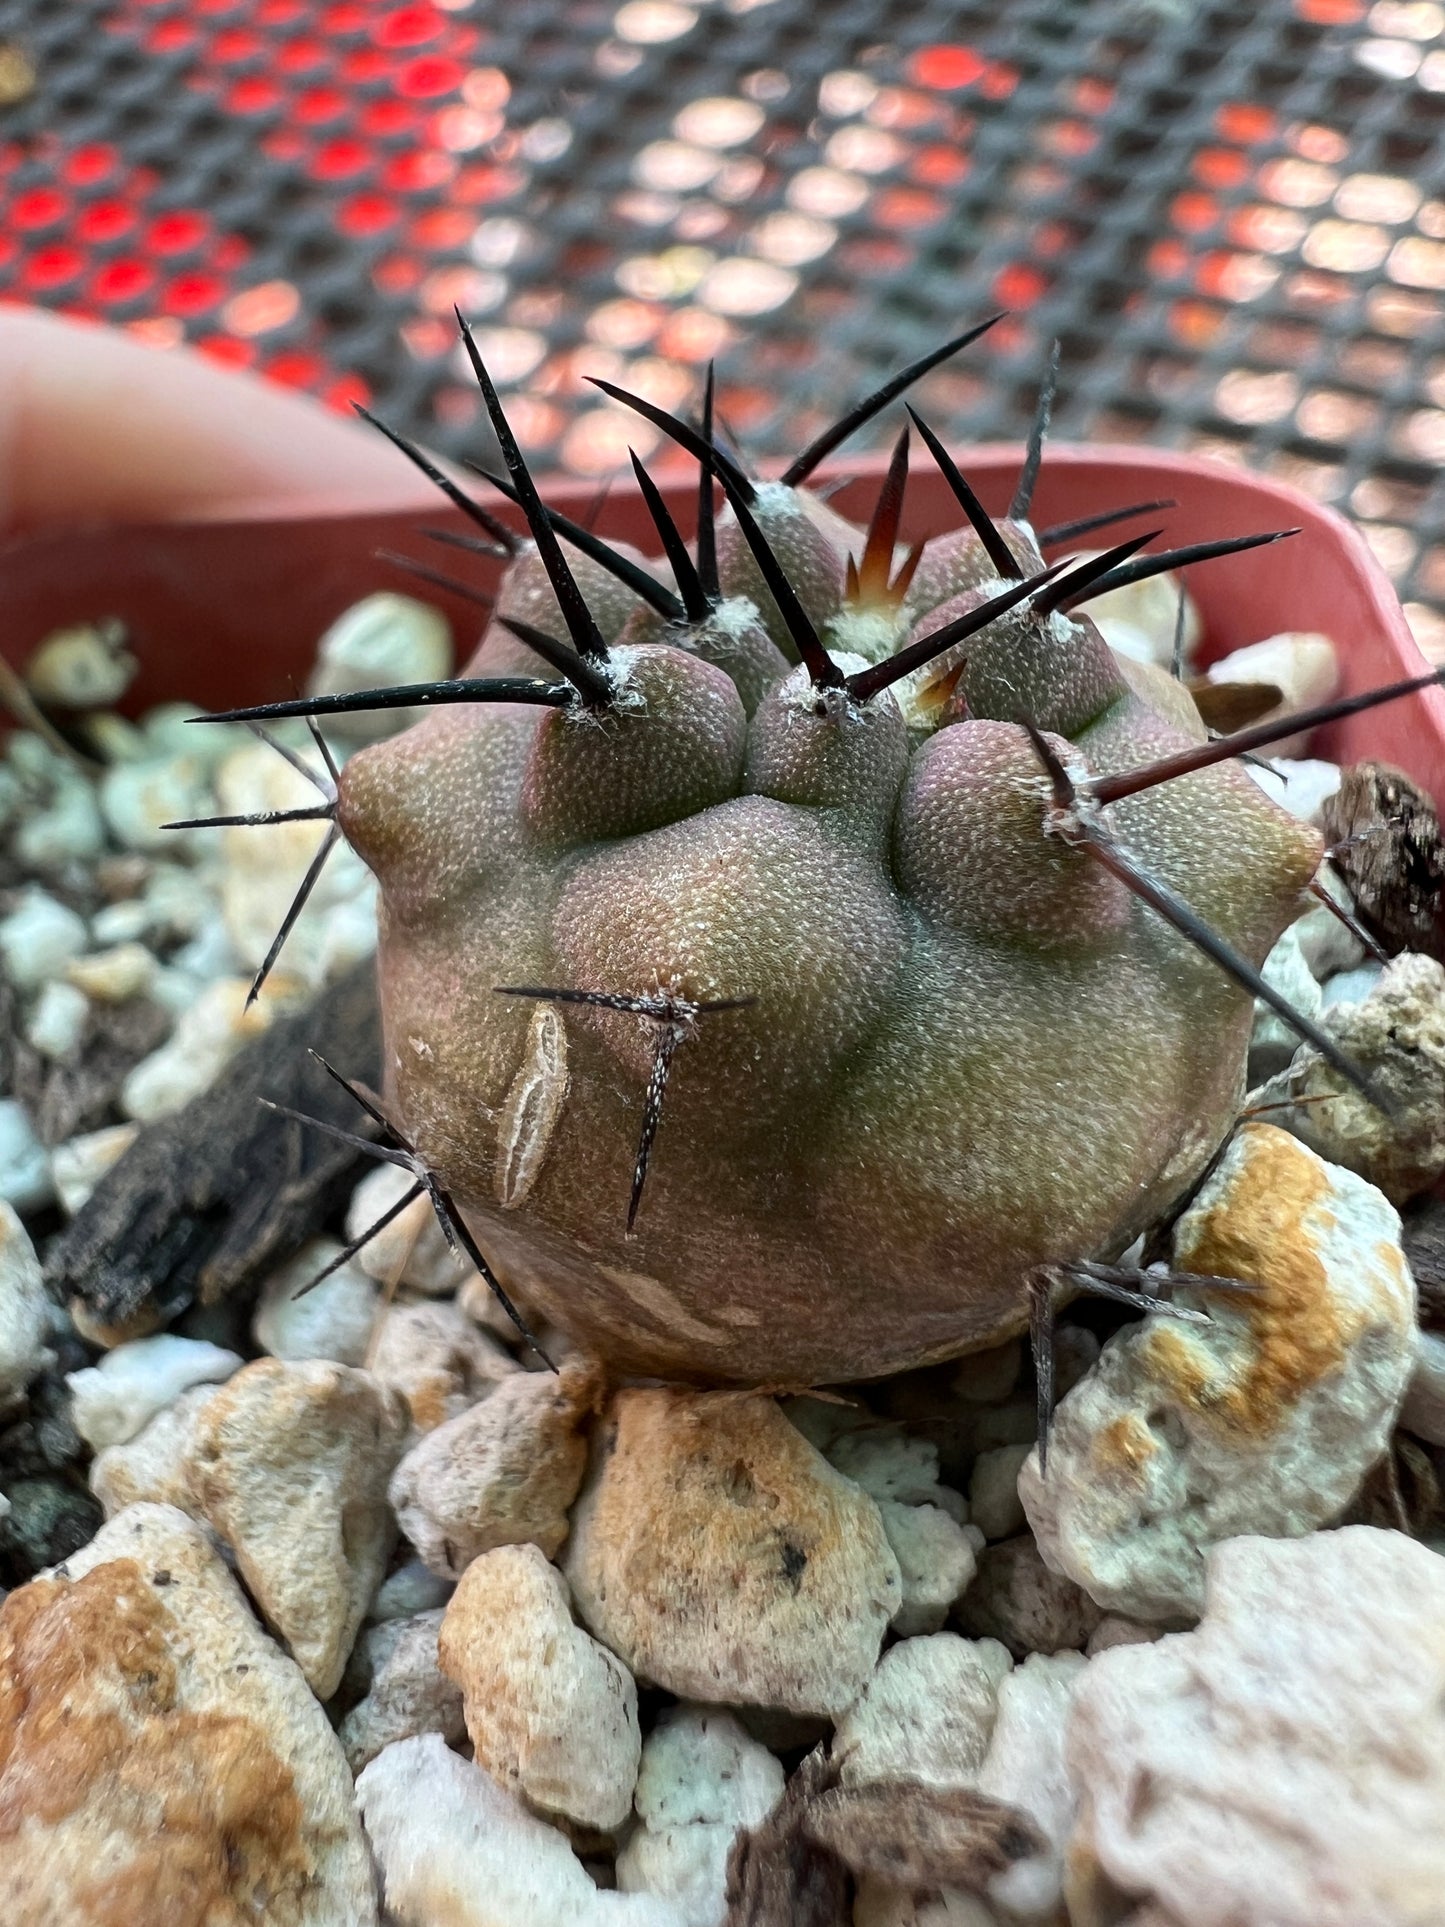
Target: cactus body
x=935, y=924
x=969, y=1049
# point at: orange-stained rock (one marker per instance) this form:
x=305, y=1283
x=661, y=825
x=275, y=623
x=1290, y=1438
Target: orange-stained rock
x=1263, y=1419
x=722, y=1557
x=160, y=1760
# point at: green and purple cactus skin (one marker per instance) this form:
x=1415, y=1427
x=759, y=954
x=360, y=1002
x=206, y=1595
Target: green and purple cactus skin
x=866, y=860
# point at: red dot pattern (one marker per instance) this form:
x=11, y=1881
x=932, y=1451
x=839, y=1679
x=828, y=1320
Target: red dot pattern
x=348, y=95
x=369, y=140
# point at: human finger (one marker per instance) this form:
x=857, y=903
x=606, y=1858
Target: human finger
x=95, y=425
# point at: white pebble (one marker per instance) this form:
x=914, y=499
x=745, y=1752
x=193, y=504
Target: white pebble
x=994, y=1504
x=289, y=1467
x=1283, y=1764
x=206, y=1038
x=1350, y=986
x=84, y=667
x=889, y=1463
x=1325, y=942
x=438, y=1360
x=503, y=1472
x=1127, y=640
x=209, y=954
x=24, y=1308
x=927, y=1713
x=1149, y=610
x=38, y=939
x=123, y=922
x=551, y=1712
x=153, y=1468
x=1025, y=1768
x=936, y=1557
x=332, y=1320
x=25, y=1180
x=1302, y=665
x=180, y=902
x=264, y=867
x=379, y=642
x=67, y=831
x=172, y=729
x=702, y=1781
x=57, y=1020
x=34, y=761
x=137, y=799
x=1302, y=787
x=112, y=1401
x=408, y=1691
x=174, y=991
x=455, y=1850
x=1272, y=1041
x=113, y=976
x=411, y=1250
x=411, y=1589
x=347, y=931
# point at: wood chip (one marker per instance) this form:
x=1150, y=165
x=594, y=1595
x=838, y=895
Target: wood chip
x=916, y=1836
x=207, y=1203
x=1423, y=1237
x=1386, y=835
x=1227, y=706
x=1401, y=1493
x=778, y=1876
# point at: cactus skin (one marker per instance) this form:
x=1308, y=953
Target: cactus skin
x=970, y=1049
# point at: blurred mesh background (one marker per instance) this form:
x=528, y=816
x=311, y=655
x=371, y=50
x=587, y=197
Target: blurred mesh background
x=1232, y=213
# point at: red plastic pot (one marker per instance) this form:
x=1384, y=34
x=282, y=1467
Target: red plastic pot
x=228, y=612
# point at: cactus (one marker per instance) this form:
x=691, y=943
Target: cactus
x=827, y=938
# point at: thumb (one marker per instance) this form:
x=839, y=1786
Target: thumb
x=97, y=426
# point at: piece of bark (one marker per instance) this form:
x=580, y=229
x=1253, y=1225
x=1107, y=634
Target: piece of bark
x=206, y=1203
x=1385, y=836
x=1423, y=1238
x=916, y=1836
x=1400, y=1493
x=1228, y=706
x=778, y=1876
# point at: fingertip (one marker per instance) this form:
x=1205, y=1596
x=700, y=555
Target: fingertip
x=95, y=424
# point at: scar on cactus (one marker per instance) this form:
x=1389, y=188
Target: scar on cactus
x=675, y=1019
x=984, y=903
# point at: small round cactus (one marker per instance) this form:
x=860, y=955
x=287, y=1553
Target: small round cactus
x=827, y=936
